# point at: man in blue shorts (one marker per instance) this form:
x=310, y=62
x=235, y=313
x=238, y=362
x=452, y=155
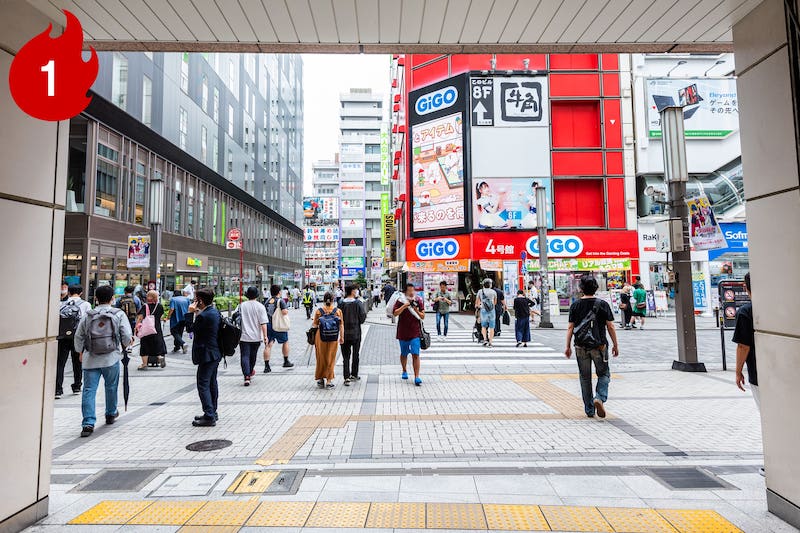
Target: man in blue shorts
x=486, y=301
x=409, y=310
x=281, y=337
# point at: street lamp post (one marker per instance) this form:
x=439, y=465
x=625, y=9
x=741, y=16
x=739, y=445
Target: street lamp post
x=156, y=224
x=541, y=224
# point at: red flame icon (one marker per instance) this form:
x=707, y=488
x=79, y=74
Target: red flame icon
x=48, y=77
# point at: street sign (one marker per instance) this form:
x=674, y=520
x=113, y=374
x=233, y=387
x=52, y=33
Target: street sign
x=234, y=234
x=482, y=92
x=233, y=245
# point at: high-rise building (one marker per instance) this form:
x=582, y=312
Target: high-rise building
x=321, y=224
x=325, y=177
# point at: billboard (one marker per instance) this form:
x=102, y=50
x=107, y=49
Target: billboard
x=318, y=209
x=710, y=106
x=384, y=155
x=138, y=251
x=508, y=203
x=704, y=231
x=321, y=234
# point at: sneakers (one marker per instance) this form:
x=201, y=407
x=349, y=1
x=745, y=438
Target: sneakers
x=329, y=386
x=599, y=408
x=355, y=378
x=200, y=417
x=76, y=389
x=267, y=368
x=321, y=384
x=287, y=364
x=247, y=381
x=404, y=375
x=204, y=422
x=347, y=382
x=87, y=430
x=519, y=344
x=525, y=345
x=417, y=381
x=162, y=361
x=184, y=349
x=110, y=419
x=59, y=394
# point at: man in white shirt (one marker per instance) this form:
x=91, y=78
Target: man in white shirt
x=254, y=331
x=72, y=310
x=188, y=291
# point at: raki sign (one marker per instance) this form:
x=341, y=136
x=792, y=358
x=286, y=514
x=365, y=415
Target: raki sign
x=436, y=100
x=557, y=246
x=437, y=249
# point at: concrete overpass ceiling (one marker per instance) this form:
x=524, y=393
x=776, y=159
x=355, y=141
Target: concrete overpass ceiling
x=382, y=26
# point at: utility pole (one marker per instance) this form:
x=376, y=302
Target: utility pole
x=541, y=223
x=676, y=174
x=156, y=225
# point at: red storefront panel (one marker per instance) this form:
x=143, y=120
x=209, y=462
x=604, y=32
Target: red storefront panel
x=585, y=85
x=612, y=123
x=614, y=165
x=577, y=163
x=438, y=248
x=418, y=59
x=428, y=74
x=573, y=62
x=593, y=244
x=615, y=192
x=611, y=85
x=610, y=62
x=575, y=124
x=579, y=203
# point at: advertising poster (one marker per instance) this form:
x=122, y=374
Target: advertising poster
x=503, y=203
x=384, y=155
x=352, y=262
x=437, y=179
x=321, y=234
x=699, y=290
x=320, y=209
x=138, y=251
x=710, y=106
x=704, y=231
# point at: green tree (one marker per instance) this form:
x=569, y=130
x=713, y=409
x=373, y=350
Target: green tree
x=360, y=280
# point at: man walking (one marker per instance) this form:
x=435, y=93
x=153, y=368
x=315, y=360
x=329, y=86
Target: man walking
x=203, y=320
x=71, y=311
x=102, y=335
x=639, y=303
x=254, y=330
x=409, y=310
x=388, y=290
x=354, y=315
x=499, y=308
x=308, y=301
x=486, y=301
x=442, y=302
x=281, y=337
x=178, y=308
x=744, y=337
x=589, y=317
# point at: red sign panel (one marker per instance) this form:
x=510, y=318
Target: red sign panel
x=234, y=234
x=587, y=244
x=438, y=248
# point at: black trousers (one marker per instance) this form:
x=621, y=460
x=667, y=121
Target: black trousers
x=308, y=310
x=177, y=335
x=351, y=347
x=207, y=388
x=498, y=320
x=66, y=348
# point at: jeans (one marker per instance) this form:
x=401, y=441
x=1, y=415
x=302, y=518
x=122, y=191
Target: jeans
x=522, y=328
x=349, y=346
x=177, y=335
x=439, y=318
x=66, y=348
x=91, y=381
x=585, y=359
x=248, y=351
x=207, y=388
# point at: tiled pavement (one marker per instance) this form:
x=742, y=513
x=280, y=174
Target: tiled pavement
x=494, y=439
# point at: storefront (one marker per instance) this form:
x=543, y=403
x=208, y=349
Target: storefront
x=431, y=261
x=731, y=262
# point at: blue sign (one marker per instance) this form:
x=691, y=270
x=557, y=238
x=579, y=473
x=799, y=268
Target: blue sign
x=736, y=236
x=699, y=291
x=436, y=100
x=346, y=271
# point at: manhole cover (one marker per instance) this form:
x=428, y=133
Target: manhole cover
x=118, y=480
x=683, y=478
x=208, y=445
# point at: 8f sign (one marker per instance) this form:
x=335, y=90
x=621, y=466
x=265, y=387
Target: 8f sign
x=441, y=99
x=437, y=249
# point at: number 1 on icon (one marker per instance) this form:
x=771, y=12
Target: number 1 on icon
x=50, y=68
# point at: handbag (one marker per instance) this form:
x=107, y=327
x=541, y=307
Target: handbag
x=280, y=322
x=148, y=324
x=424, y=337
x=506, y=318
x=311, y=335
x=641, y=305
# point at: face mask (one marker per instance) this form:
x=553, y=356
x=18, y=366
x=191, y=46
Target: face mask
x=64, y=292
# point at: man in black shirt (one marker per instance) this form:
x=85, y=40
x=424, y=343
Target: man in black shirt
x=744, y=337
x=586, y=355
x=499, y=309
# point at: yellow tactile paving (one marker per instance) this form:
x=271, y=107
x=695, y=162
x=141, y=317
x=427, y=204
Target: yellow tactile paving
x=209, y=529
x=223, y=513
x=167, y=513
x=515, y=517
x=455, y=516
x=111, y=512
x=508, y=377
x=698, y=521
x=281, y=514
x=397, y=515
x=568, y=405
x=338, y=514
x=635, y=520
x=568, y=518
x=252, y=482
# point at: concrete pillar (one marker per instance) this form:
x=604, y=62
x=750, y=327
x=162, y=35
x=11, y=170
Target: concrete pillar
x=32, y=195
x=767, y=104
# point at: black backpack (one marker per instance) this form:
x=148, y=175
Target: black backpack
x=69, y=316
x=230, y=332
x=587, y=332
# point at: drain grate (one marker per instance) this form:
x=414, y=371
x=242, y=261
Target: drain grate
x=683, y=478
x=208, y=445
x=118, y=480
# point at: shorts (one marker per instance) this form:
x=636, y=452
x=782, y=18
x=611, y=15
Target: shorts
x=409, y=347
x=488, y=319
x=276, y=336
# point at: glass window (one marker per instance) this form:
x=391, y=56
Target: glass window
x=184, y=128
x=231, y=74
x=215, y=153
x=216, y=105
x=204, y=94
x=372, y=167
x=372, y=149
x=190, y=213
x=185, y=73
x=106, y=192
x=203, y=144
x=139, y=192
x=201, y=215
x=176, y=223
x=119, y=81
x=108, y=153
x=230, y=120
x=147, y=101
x=214, y=222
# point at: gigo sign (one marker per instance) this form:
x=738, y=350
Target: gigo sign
x=557, y=246
x=436, y=100
x=437, y=249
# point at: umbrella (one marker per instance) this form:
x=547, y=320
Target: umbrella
x=126, y=386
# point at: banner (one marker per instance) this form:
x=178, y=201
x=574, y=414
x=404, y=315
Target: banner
x=138, y=251
x=710, y=106
x=388, y=236
x=502, y=203
x=704, y=231
x=449, y=265
x=568, y=265
x=324, y=233
x=385, y=206
x=384, y=155
x=320, y=209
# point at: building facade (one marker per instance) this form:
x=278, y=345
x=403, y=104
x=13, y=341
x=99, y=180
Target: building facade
x=321, y=224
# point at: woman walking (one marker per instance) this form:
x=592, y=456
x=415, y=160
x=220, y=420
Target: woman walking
x=625, y=306
x=329, y=322
x=152, y=347
x=523, y=307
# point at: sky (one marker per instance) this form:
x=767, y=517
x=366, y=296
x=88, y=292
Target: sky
x=325, y=76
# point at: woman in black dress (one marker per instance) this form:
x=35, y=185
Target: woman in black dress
x=625, y=306
x=152, y=347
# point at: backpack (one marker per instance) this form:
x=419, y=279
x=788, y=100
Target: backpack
x=391, y=303
x=329, y=326
x=101, y=331
x=230, y=332
x=587, y=332
x=69, y=316
x=486, y=303
x=128, y=306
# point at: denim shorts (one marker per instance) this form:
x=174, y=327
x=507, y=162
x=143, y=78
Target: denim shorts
x=409, y=347
x=276, y=336
x=488, y=318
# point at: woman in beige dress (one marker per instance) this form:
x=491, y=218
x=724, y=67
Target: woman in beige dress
x=328, y=340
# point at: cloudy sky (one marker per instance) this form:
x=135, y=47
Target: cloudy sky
x=325, y=76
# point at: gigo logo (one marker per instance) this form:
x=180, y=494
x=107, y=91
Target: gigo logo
x=441, y=99
x=438, y=249
x=557, y=246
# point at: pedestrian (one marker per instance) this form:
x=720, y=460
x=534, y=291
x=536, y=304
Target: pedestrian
x=744, y=337
x=339, y=295
x=152, y=347
x=189, y=290
x=308, y=301
x=130, y=304
x=70, y=313
x=203, y=321
x=626, y=305
x=101, y=336
x=254, y=330
x=367, y=298
x=296, y=296
x=281, y=337
x=486, y=301
x=410, y=311
x=178, y=308
x=388, y=290
x=499, y=308
x=285, y=295
x=442, y=301
x=329, y=322
x=353, y=315
x=589, y=318
x=639, y=305
x=523, y=308
x=64, y=291
x=376, y=297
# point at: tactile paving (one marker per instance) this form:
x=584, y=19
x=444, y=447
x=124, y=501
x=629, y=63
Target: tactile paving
x=281, y=514
x=209, y=529
x=167, y=513
x=635, y=520
x=253, y=482
x=698, y=521
x=455, y=516
x=568, y=518
x=223, y=513
x=111, y=512
x=338, y=514
x=397, y=515
x=515, y=517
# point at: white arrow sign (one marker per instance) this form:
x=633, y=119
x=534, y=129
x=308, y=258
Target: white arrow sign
x=480, y=110
x=613, y=120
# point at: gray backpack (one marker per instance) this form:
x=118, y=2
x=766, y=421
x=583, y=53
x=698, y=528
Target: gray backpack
x=487, y=303
x=101, y=331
